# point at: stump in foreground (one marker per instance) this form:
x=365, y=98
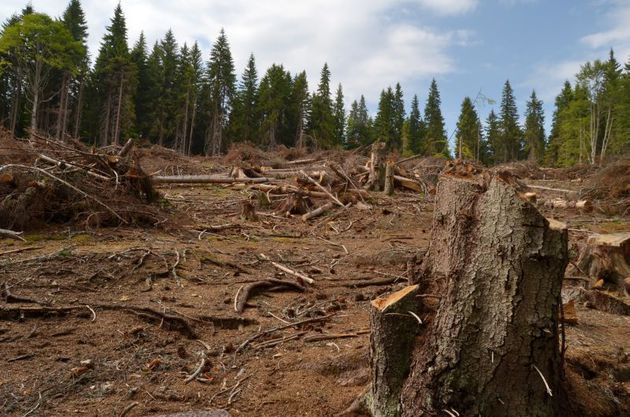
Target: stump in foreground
x=492, y=348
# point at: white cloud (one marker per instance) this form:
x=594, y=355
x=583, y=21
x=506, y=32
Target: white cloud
x=617, y=35
x=365, y=49
x=547, y=79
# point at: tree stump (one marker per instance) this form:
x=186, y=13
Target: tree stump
x=376, y=177
x=394, y=327
x=389, y=178
x=492, y=348
x=606, y=258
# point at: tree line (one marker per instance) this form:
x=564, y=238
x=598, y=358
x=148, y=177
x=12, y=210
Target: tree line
x=168, y=94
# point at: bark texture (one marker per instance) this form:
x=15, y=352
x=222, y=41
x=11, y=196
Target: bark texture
x=498, y=265
x=393, y=331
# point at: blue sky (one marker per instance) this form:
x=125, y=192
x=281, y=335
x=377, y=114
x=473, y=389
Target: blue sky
x=466, y=45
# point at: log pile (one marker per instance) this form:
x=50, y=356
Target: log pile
x=61, y=182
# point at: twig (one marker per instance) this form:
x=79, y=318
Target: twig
x=92, y=311
x=128, y=409
x=32, y=410
x=544, y=380
x=288, y=270
x=20, y=250
x=195, y=374
x=275, y=329
x=244, y=292
x=339, y=245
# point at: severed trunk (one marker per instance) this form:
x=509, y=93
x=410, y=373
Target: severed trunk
x=492, y=348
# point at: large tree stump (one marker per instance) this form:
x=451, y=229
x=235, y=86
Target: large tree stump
x=492, y=349
x=605, y=257
x=376, y=177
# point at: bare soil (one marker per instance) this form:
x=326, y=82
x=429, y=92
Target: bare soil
x=109, y=352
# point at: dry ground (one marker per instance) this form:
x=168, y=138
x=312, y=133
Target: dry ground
x=108, y=354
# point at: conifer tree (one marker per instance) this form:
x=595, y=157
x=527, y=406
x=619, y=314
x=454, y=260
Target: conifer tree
x=416, y=128
x=492, y=138
x=339, y=113
x=436, y=142
x=244, y=119
x=299, y=108
x=112, y=83
x=321, y=124
x=222, y=88
x=398, y=116
x=275, y=90
x=534, y=129
x=511, y=143
x=385, y=121
x=168, y=90
x=561, y=104
x=142, y=98
x=468, y=137
x=358, y=126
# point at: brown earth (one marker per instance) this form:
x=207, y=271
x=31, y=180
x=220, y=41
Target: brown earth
x=109, y=351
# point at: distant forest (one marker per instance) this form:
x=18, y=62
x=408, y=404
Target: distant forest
x=169, y=94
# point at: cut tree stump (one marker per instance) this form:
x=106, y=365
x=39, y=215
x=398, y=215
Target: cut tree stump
x=605, y=257
x=389, y=178
x=492, y=348
x=376, y=177
x=394, y=328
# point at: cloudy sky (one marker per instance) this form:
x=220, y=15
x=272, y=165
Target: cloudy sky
x=468, y=46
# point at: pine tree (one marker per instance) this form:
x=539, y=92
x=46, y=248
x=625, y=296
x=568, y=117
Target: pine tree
x=74, y=19
x=561, y=104
x=222, y=88
x=468, y=138
x=436, y=142
x=398, y=116
x=244, y=118
x=358, y=126
x=493, y=138
x=321, y=125
x=384, y=123
x=112, y=83
x=299, y=108
x=169, y=89
x=339, y=113
x=511, y=143
x=275, y=91
x=534, y=129
x=139, y=57
x=416, y=128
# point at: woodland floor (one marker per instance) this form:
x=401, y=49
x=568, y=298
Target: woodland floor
x=137, y=357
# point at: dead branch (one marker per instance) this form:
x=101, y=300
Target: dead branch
x=245, y=292
x=12, y=235
x=318, y=211
x=321, y=187
x=206, y=179
x=288, y=270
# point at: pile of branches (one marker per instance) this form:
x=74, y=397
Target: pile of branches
x=66, y=182
x=315, y=184
x=611, y=187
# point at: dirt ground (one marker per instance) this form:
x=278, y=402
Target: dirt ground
x=114, y=321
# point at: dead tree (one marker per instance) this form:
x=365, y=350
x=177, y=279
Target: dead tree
x=496, y=266
x=376, y=178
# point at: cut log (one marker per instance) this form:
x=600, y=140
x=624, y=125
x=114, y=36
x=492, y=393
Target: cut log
x=492, y=348
x=409, y=184
x=560, y=203
x=394, y=327
x=318, y=211
x=12, y=235
x=206, y=179
x=605, y=257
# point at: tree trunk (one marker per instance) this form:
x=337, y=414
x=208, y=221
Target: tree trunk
x=389, y=178
x=35, y=89
x=116, y=138
x=78, y=111
x=496, y=265
x=376, y=178
x=192, y=126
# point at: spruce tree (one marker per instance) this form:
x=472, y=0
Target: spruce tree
x=493, y=138
x=244, y=118
x=561, y=104
x=321, y=124
x=139, y=57
x=222, y=88
x=299, y=108
x=275, y=91
x=436, y=142
x=534, y=129
x=339, y=113
x=358, y=126
x=511, y=144
x=468, y=137
x=169, y=89
x=112, y=83
x=384, y=123
x=416, y=128
x=398, y=116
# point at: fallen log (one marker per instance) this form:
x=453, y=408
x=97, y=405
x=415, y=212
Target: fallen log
x=560, y=203
x=409, y=184
x=206, y=179
x=12, y=235
x=318, y=211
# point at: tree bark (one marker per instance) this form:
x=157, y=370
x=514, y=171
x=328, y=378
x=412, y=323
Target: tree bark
x=389, y=178
x=376, y=178
x=492, y=348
